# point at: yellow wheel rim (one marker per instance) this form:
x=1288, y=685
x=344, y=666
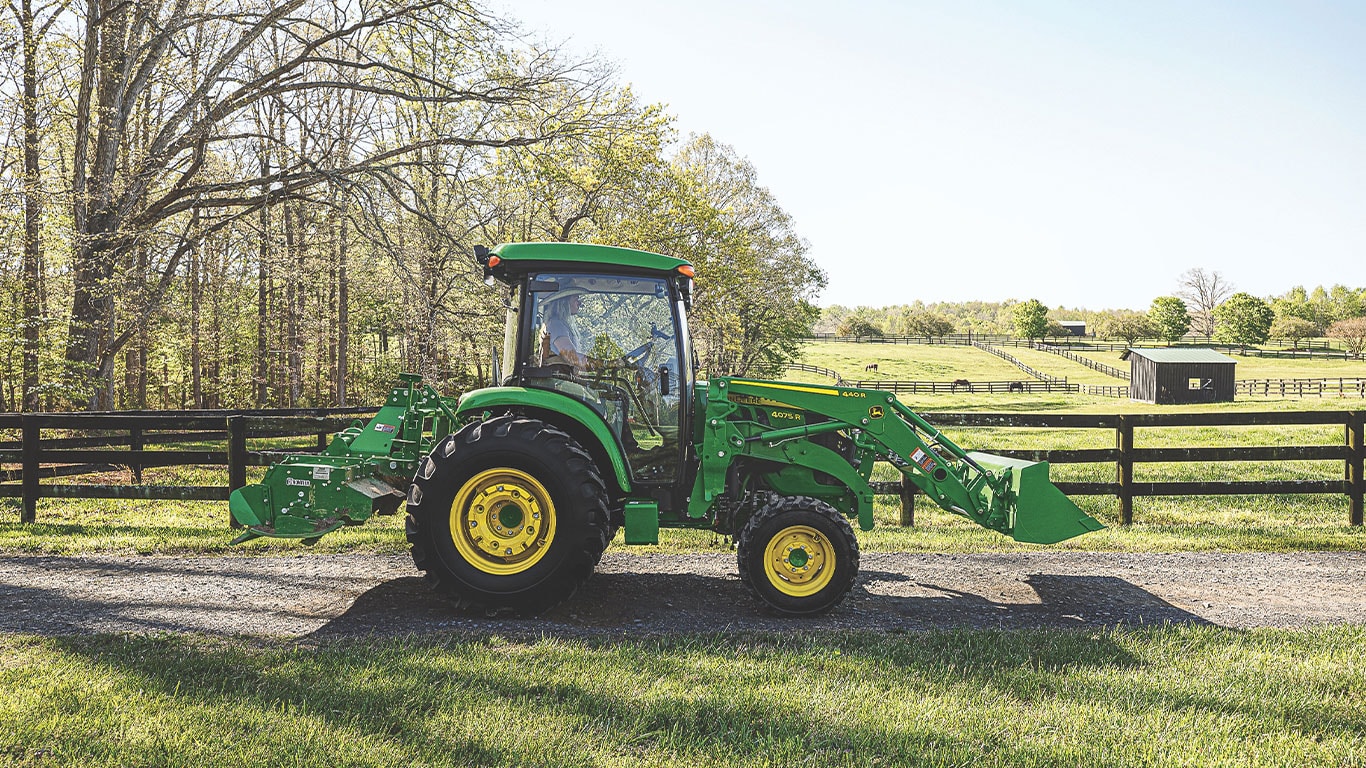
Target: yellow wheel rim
x=502, y=521
x=799, y=561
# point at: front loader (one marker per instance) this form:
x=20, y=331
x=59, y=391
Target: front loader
x=598, y=423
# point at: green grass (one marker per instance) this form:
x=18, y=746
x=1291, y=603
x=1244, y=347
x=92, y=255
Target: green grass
x=1160, y=696
x=909, y=362
x=1057, y=365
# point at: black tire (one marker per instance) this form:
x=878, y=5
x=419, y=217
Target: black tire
x=470, y=467
x=805, y=529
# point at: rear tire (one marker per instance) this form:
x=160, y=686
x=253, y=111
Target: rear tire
x=798, y=556
x=509, y=513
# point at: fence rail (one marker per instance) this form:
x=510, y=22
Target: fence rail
x=1307, y=350
x=1301, y=387
x=38, y=457
x=816, y=369
x=962, y=385
x=1108, y=370
x=1009, y=358
x=45, y=458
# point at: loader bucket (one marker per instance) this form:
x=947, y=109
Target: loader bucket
x=1039, y=512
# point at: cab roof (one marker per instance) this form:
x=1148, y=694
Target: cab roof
x=586, y=254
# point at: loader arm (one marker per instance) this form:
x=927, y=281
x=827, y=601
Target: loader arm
x=750, y=419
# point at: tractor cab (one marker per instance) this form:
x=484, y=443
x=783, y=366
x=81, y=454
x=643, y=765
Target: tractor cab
x=606, y=327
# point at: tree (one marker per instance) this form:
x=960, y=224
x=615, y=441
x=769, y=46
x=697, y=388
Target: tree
x=1054, y=329
x=925, y=323
x=1243, y=319
x=1352, y=334
x=1203, y=292
x=1169, y=318
x=755, y=282
x=151, y=126
x=1129, y=326
x=1293, y=328
x=1030, y=319
x=859, y=327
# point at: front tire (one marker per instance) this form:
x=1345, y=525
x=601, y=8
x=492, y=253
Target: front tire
x=798, y=556
x=509, y=513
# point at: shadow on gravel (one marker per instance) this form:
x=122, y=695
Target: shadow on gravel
x=650, y=603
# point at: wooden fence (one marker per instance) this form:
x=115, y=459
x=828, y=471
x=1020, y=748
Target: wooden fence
x=153, y=439
x=1308, y=350
x=1108, y=370
x=1343, y=387
x=45, y=458
x=818, y=370
x=902, y=386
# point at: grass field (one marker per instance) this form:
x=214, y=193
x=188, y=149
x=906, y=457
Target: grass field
x=910, y=362
x=1057, y=365
x=1160, y=696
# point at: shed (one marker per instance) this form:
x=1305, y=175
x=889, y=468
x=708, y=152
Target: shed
x=1074, y=327
x=1180, y=375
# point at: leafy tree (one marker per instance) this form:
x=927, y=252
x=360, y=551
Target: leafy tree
x=1296, y=303
x=1129, y=326
x=1168, y=318
x=925, y=323
x=1203, y=292
x=858, y=325
x=1293, y=328
x=1352, y=334
x=1054, y=329
x=755, y=283
x=1030, y=319
x=1243, y=319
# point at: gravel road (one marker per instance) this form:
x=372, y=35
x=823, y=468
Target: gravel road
x=347, y=595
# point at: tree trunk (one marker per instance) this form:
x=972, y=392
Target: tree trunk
x=196, y=358
x=343, y=315
x=33, y=255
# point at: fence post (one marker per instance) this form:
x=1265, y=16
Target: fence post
x=135, y=444
x=1125, y=469
x=1356, y=458
x=907, y=503
x=29, y=466
x=237, y=457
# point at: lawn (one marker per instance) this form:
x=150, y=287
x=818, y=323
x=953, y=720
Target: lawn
x=1186, y=695
x=910, y=362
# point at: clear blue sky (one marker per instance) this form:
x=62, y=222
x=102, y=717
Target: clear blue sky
x=1081, y=153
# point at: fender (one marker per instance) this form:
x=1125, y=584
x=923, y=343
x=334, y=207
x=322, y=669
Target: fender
x=490, y=398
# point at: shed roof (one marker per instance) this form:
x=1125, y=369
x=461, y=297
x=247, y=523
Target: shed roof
x=1181, y=355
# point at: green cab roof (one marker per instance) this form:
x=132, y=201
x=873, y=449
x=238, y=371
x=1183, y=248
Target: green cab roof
x=587, y=254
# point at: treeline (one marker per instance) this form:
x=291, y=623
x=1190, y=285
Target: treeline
x=1206, y=306
x=276, y=204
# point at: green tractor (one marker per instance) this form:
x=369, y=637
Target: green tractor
x=599, y=423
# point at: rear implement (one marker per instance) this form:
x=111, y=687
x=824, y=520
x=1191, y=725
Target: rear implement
x=365, y=470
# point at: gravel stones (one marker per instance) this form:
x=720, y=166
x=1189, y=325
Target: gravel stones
x=355, y=595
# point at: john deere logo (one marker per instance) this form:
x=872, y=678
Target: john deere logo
x=875, y=412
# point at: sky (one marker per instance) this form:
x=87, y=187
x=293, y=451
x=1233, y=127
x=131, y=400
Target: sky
x=1084, y=154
